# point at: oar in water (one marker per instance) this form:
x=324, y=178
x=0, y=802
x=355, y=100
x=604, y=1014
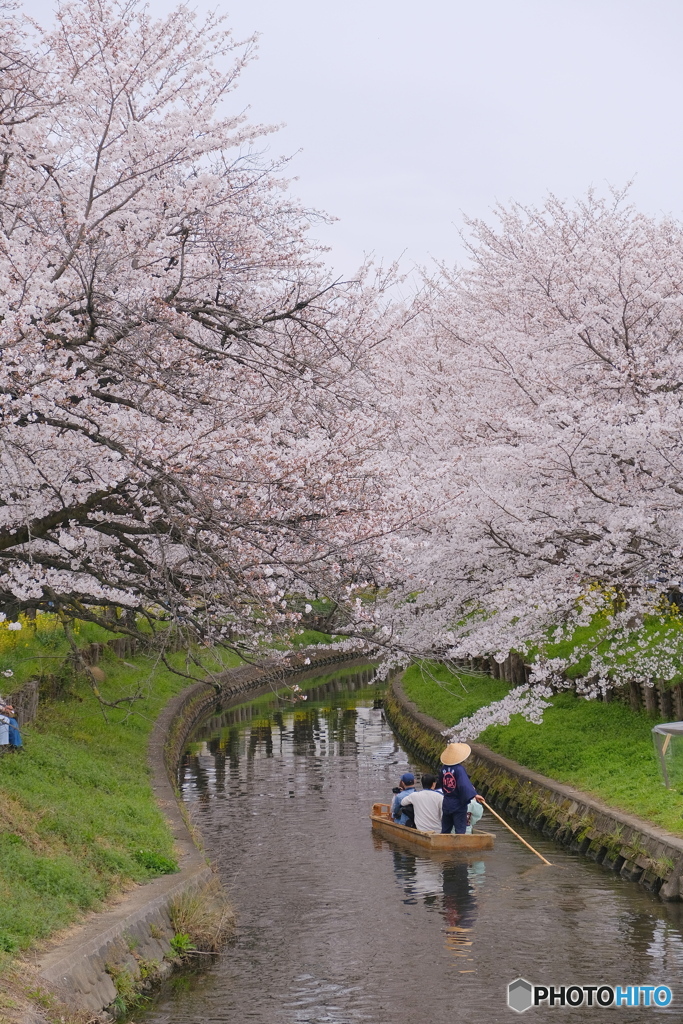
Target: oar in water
x=504, y=822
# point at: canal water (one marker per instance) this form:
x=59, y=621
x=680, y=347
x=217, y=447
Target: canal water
x=337, y=926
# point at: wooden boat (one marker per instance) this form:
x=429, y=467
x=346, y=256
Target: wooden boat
x=382, y=821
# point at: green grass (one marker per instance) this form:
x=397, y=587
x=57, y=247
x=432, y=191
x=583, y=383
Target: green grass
x=302, y=638
x=602, y=749
x=448, y=696
x=78, y=818
x=310, y=637
x=39, y=648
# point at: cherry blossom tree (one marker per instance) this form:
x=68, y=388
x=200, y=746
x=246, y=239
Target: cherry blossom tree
x=197, y=423
x=182, y=389
x=542, y=392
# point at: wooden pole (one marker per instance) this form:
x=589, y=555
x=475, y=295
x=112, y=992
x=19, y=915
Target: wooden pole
x=504, y=822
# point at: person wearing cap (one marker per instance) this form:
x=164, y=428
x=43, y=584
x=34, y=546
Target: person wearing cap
x=457, y=789
x=406, y=785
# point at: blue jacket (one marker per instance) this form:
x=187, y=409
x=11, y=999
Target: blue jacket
x=396, y=813
x=457, y=789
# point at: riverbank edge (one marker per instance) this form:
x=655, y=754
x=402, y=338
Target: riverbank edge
x=127, y=948
x=636, y=849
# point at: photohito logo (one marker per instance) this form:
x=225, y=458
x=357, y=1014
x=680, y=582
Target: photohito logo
x=522, y=995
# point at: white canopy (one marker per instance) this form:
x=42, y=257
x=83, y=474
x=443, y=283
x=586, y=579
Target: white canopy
x=669, y=729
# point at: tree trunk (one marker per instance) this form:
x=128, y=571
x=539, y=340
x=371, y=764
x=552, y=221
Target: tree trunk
x=666, y=702
x=650, y=698
x=517, y=673
x=635, y=695
x=678, y=702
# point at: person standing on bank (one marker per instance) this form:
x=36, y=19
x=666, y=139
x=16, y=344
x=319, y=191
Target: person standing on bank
x=454, y=782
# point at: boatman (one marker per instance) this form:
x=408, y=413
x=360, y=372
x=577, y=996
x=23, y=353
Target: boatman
x=457, y=789
x=426, y=805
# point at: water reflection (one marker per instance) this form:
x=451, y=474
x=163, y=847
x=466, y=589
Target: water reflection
x=459, y=908
x=328, y=724
x=448, y=885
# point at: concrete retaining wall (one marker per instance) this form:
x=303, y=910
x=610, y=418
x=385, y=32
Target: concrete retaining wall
x=132, y=939
x=620, y=842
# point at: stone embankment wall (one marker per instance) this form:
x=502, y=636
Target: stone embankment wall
x=620, y=842
x=127, y=947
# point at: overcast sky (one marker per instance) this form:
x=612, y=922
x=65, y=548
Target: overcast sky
x=409, y=115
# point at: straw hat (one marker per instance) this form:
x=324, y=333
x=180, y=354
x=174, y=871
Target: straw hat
x=455, y=753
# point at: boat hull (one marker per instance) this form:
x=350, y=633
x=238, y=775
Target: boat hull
x=382, y=823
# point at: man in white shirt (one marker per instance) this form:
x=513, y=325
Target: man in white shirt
x=426, y=805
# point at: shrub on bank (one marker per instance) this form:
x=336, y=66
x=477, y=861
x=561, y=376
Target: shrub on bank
x=450, y=695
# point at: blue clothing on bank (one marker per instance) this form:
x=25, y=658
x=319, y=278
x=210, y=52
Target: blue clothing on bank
x=14, y=734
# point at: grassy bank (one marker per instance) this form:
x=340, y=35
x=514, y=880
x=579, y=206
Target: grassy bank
x=78, y=820
x=604, y=749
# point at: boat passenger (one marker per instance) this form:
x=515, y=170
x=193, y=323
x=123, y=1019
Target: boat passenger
x=426, y=804
x=406, y=785
x=456, y=787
